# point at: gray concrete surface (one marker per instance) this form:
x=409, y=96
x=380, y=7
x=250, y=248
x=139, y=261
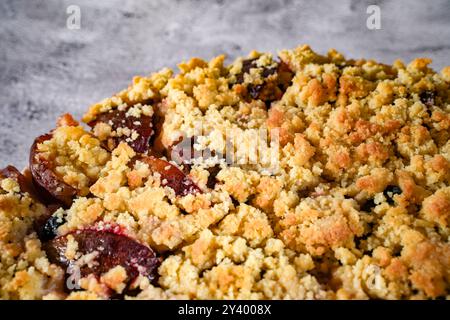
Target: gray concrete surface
x=47, y=69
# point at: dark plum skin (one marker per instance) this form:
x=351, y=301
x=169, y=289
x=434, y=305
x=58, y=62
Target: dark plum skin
x=47, y=226
x=427, y=97
x=183, y=152
x=390, y=192
x=269, y=90
x=118, y=250
x=171, y=176
x=49, y=185
x=118, y=119
x=12, y=173
x=213, y=171
x=368, y=205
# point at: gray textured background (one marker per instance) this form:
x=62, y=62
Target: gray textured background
x=47, y=69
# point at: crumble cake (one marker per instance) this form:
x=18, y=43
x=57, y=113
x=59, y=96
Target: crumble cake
x=302, y=176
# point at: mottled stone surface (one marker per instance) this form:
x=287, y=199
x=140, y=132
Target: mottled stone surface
x=47, y=69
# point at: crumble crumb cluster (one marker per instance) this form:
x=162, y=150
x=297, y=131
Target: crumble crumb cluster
x=355, y=206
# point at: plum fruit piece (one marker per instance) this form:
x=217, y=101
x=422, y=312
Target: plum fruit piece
x=112, y=249
x=139, y=129
x=171, y=176
x=45, y=179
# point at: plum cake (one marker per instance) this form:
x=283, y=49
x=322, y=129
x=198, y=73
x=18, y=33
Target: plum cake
x=295, y=176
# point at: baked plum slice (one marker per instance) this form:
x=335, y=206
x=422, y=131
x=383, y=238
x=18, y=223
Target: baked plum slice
x=273, y=80
x=66, y=162
x=24, y=183
x=49, y=185
x=171, y=176
x=111, y=249
x=120, y=126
